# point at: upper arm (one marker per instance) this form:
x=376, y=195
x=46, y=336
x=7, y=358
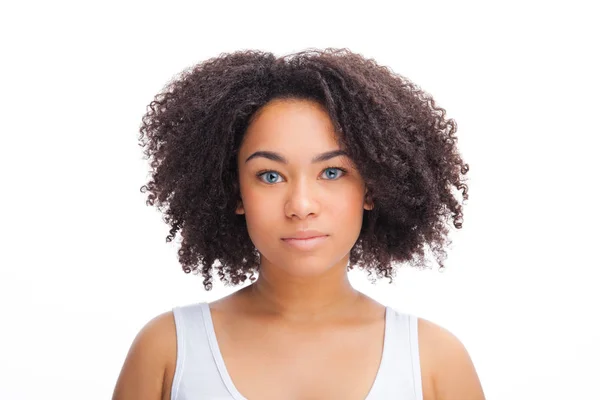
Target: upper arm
x=143, y=373
x=453, y=375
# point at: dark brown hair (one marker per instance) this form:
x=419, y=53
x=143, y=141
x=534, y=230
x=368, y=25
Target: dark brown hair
x=401, y=142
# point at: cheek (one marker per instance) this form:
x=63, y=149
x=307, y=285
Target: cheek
x=259, y=204
x=349, y=210
x=262, y=216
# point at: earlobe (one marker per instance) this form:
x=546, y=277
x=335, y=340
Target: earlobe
x=240, y=208
x=368, y=203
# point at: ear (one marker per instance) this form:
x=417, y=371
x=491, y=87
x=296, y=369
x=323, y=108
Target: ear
x=368, y=204
x=240, y=208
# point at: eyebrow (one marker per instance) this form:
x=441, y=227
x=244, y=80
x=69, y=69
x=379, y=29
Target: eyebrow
x=281, y=159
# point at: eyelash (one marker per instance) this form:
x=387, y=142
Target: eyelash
x=261, y=173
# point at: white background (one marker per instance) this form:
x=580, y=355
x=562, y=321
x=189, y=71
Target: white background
x=84, y=262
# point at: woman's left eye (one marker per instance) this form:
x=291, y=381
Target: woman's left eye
x=341, y=171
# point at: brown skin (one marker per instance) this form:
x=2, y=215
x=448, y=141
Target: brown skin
x=296, y=285
x=302, y=307
x=447, y=371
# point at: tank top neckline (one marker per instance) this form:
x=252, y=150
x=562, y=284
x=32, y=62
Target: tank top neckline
x=220, y=362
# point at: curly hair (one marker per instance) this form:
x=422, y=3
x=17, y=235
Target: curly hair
x=401, y=142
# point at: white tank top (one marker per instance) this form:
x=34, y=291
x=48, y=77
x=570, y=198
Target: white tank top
x=200, y=372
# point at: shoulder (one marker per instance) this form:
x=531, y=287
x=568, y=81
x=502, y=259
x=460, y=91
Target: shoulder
x=447, y=369
x=158, y=336
x=148, y=368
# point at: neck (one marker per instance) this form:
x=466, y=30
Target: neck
x=301, y=298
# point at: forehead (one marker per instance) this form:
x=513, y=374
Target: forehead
x=298, y=128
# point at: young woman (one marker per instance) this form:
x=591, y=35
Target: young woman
x=297, y=169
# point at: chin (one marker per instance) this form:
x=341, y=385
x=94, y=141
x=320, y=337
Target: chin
x=305, y=267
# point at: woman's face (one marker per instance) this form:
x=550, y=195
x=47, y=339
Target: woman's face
x=285, y=190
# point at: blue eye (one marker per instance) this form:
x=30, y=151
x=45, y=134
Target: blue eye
x=273, y=174
x=269, y=174
x=333, y=169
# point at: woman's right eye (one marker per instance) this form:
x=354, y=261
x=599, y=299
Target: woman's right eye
x=269, y=175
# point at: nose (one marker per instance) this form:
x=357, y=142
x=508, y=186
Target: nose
x=302, y=200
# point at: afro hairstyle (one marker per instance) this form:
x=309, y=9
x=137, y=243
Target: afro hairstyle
x=402, y=144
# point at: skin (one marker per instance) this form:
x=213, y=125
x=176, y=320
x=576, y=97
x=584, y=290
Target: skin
x=296, y=285
x=302, y=306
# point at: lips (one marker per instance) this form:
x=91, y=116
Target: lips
x=305, y=234
x=303, y=239
x=309, y=243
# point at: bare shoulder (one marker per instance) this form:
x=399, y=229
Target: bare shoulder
x=147, y=372
x=447, y=369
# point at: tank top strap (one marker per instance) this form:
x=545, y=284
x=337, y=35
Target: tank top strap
x=401, y=372
x=196, y=372
x=199, y=372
